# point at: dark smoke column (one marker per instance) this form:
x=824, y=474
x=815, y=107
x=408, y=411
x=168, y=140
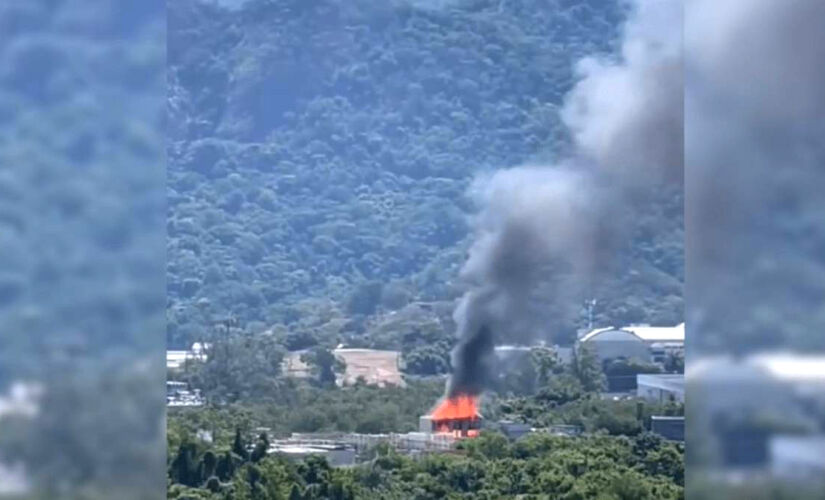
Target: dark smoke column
x=625, y=115
x=530, y=217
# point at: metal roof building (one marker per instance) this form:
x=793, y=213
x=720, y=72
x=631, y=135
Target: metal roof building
x=635, y=341
x=661, y=387
x=646, y=333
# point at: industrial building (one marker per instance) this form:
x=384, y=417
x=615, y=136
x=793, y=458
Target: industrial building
x=514, y=430
x=661, y=388
x=458, y=416
x=672, y=428
x=176, y=360
x=179, y=394
x=336, y=454
x=641, y=342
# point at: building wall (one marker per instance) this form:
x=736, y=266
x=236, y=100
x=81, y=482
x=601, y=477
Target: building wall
x=669, y=428
x=614, y=344
x=661, y=388
x=658, y=394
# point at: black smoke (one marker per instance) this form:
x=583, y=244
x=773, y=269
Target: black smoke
x=538, y=223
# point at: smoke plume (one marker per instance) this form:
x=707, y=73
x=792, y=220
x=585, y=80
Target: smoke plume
x=625, y=115
x=754, y=153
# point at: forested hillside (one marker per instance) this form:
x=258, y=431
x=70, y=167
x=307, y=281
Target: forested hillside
x=320, y=153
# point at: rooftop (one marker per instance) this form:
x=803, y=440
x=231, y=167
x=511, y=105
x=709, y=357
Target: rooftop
x=667, y=381
x=646, y=333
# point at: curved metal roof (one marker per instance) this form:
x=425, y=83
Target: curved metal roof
x=644, y=332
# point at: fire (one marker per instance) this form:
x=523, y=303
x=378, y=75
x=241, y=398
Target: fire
x=457, y=415
x=456, y=408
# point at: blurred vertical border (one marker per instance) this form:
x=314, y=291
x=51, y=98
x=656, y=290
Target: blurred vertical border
x=82, y=256
x=755, y=248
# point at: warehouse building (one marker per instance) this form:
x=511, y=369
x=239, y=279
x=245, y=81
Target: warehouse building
x=641, y=342
x=661, y=388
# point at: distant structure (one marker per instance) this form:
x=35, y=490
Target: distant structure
x=176, y=360
x=514, y=430
x=179, y=394
x=336, y=454
x=650, y=344
x=661, y=388
x=343, y=449
x=457, y=416
x=672, y=428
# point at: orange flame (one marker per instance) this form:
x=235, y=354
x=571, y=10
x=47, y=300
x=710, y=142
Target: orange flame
x=456, y=408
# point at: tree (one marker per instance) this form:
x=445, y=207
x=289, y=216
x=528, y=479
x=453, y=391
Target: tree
x=213, y=484
x=675, y=362
x=426, y=360
x=225, y=467
x=324, y=365
x=545, y=362
x=562, y=389
x=365, y=298
x=239, y=447
x=295, y=493
x=208, y=464
x=300, y=339
x=588, y=369
x=183, y=468
x=261, y=448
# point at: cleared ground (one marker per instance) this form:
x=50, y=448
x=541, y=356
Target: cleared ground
x=379, y=368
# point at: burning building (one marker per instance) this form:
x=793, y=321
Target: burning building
x=458, y=416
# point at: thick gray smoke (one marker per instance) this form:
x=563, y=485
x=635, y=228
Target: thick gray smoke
x=625, y=115
x=754, y=149
x=531, y=216
x=754, y=179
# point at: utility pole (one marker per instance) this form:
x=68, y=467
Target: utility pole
x=590, y=305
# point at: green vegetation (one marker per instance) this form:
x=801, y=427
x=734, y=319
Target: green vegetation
x=294, y=406
x=320, y=153
x=488, y=467
x=616, y=455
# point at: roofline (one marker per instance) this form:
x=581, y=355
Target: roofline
x=629, y=329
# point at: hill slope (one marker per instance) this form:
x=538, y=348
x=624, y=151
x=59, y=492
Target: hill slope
x=320, y=152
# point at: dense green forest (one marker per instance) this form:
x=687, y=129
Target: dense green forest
x=488, y=467
x=320, y=154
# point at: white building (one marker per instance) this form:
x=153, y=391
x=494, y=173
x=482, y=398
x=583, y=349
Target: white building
x=336, y=455
x=175, y=360
x=178, y=394
x=642, y=342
